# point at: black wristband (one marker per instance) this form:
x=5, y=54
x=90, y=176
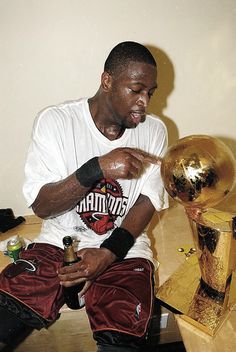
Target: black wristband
x=89, y=173
x=119, y=242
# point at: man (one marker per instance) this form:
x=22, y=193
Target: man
x=93, y=172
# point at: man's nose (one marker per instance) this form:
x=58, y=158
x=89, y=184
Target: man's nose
x=143, y=100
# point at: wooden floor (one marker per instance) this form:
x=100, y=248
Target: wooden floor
x=71, y=333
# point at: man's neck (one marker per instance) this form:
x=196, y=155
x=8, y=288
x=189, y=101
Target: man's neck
x=102, y=119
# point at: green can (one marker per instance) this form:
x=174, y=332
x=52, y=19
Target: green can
x=14, y=247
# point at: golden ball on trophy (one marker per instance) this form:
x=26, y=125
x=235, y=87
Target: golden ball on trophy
x=198, y=171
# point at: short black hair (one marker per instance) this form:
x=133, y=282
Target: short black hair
x=123, y=53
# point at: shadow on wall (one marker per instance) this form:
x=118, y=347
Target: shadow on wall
x=158, y=103
x=165, y=82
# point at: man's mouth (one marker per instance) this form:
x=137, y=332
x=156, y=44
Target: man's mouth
x=137, y=116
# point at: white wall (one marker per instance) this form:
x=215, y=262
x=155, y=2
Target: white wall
x=54, y=50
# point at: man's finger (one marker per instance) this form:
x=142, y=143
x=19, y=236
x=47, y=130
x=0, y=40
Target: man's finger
x=85, y=288
x=152, y=159
x=146, y=157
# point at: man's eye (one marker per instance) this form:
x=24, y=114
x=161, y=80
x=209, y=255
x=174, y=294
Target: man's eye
x=136, y=91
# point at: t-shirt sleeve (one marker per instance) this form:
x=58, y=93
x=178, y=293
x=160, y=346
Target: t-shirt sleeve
x=155, y=191
x=44, y=163
x=153, y=186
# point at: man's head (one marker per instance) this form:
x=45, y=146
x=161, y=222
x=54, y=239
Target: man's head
x=128, y=82
x=124, y=53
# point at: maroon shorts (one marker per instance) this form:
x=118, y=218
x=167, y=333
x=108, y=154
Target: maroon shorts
x=120, y=299
x=39, y=290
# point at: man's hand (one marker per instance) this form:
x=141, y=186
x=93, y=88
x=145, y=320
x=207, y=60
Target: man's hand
x=94, y=261
x=125, y=163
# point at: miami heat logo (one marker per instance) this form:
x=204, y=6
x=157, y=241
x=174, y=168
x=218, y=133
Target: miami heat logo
x=101, y=207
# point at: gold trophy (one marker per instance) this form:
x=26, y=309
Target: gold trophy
x=199, y=172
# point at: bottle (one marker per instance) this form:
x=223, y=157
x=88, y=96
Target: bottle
x=71, y=293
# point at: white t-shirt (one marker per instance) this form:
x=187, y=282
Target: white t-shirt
x=64, y=137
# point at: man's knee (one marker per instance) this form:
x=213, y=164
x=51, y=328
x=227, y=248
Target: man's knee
x=109, y=340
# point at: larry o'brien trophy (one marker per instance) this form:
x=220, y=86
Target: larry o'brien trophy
x=199, y=172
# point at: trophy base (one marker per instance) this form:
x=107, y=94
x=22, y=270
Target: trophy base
x=184, y=292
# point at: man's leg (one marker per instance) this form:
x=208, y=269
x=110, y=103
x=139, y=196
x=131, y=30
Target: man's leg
x=119, y=305
x=113, y=341
x=30, y=300
x=12, y=331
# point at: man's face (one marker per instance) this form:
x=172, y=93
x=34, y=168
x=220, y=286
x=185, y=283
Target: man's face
x=130, y=92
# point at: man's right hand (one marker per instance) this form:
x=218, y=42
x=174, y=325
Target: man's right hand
x=125, y=163
x=94, y=262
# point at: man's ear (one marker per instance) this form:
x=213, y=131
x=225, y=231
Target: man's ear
x=106, y=81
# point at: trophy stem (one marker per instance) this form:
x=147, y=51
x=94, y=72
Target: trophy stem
x=201, y=288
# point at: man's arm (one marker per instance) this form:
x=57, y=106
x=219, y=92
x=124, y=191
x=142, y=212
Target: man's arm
x=56, y=198
x=95, y=260
x=139, y=216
